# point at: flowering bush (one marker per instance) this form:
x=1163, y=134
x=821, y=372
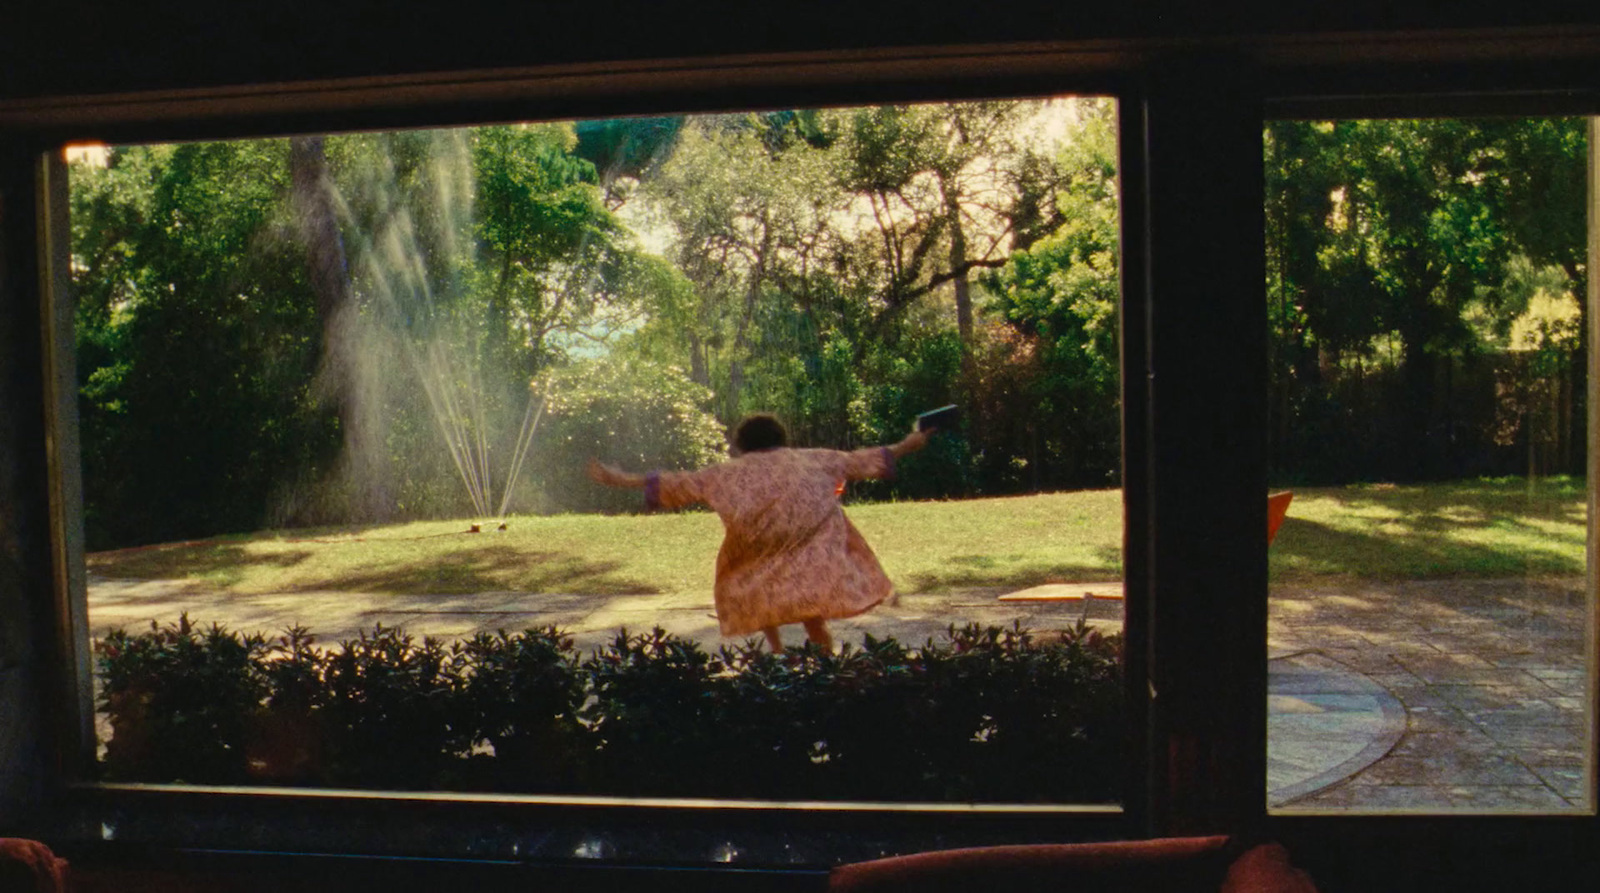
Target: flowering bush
x=634, y=413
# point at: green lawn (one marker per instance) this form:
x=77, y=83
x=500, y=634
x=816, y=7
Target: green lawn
x=1486, y=528
x=1479, y=528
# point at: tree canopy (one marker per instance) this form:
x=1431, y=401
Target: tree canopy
x=1401, y=254
x=330, y=329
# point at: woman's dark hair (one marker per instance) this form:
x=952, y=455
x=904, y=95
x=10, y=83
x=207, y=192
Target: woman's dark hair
x=761, y=431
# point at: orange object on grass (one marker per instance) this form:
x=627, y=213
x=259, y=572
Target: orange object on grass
x=1277, y=508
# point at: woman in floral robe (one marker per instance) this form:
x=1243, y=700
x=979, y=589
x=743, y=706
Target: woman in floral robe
x=789, y=554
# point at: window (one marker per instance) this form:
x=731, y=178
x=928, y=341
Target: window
x=1431, y=602
x=337, y=396
x=1194, y=462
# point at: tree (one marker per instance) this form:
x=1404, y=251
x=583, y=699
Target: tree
x=1057, y=300
x=625, y=151
x=200, y=336
x=945, y=188
x=550, y=246
x=640, y=414
x=314, y=201
x=1403, y=232
x=749, y=226
x=483, y=257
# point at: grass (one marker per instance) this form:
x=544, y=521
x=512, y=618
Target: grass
x=1492, y=528
x=1503, y=527
x=923, y=545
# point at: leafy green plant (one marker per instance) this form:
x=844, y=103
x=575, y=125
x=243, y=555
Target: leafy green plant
x=392, y=709
x=639, y=414
x=180, y=701
x=286, y=740
x=655, y=711
x=648, y=714
x=524, y=695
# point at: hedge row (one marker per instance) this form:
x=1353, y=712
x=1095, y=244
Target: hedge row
x=986, y=714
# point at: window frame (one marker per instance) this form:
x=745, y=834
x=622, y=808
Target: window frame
x=543, y=96
x=1493, y=840
x=1191, y=769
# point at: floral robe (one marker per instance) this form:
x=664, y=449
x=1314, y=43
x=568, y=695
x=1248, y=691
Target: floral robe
x=788, y=552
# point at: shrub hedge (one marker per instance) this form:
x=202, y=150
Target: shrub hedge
x=986, y=714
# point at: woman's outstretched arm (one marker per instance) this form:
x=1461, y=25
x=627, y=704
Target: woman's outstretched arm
x=879, y=462
x=611, y=476
x=912, y=442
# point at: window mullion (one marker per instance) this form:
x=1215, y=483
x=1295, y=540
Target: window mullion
x=1206, y=377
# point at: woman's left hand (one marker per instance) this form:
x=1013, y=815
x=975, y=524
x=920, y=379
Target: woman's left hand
x=914, y=441
x=601, y=473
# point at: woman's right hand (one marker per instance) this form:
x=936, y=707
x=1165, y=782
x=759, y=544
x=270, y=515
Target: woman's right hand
x=612, y=476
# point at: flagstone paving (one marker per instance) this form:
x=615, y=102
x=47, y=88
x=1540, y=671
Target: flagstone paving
x=1324, y=724
x=1492, y=678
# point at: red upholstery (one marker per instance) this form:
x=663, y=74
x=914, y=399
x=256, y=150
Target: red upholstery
x=1171, y=865
x=1266, y=869
x=27, y=866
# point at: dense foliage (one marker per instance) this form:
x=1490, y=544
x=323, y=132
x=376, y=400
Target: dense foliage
x=367, y=327
x=350, y=328
x=1426, y=289
x=646, y=715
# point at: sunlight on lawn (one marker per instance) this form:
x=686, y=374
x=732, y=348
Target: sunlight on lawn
x=923, y=545
x=1478, y=528
x=1484, y=528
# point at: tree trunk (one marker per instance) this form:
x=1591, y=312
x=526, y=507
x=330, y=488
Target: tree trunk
x=318, y=226
x=741, y=341
x=698, y=373
x=1418, y=382
x=961, y=288
x=346, y=377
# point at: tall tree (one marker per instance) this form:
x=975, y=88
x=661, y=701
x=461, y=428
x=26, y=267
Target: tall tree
x=748, y=221
x=1404, y=230
x=314, y=202
x=1057, y=300
x=945, y=188
x=550, y=247
x=196, y=397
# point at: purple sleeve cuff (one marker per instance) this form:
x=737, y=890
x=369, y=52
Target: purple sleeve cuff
x=652, y=490
x=888, y=463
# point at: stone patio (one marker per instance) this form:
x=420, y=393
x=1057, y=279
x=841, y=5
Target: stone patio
x=1491, y=676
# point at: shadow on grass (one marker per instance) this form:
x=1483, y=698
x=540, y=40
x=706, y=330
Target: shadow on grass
x=483, y=569
x=214, y=565
x=1467, y=503
x=220, y=562
x=1422, y=549
x=963, y=571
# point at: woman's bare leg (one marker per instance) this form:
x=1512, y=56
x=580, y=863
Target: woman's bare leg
x=817, y=631
x=774, y=641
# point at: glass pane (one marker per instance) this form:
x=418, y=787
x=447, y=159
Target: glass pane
x=1430, y=607
x=340, y=395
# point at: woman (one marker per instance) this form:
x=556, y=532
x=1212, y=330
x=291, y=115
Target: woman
x=789, y=555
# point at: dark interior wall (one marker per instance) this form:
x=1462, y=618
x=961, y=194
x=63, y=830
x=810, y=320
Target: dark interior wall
x=23, y=576
x=99, y=46
x=58, y=51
